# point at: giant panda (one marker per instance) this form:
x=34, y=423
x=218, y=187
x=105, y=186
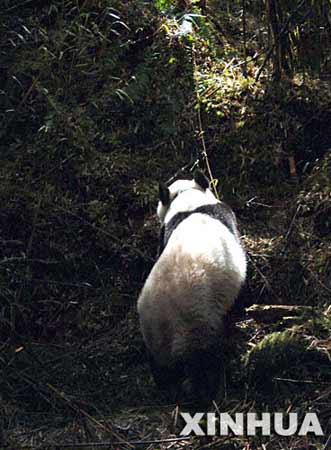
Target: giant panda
x=192, y=286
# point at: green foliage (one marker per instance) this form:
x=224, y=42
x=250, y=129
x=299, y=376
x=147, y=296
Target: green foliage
x=276, y=353
x=92, y=91
x=89, y=97
x=285, y=355
x=164, y=5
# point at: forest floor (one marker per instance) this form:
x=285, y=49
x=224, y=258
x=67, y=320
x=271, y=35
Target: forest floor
x=99, y=389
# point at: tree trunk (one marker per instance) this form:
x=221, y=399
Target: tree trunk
x=284, y=47
x=273, y=20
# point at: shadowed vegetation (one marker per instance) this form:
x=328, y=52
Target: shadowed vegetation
x=101, y=99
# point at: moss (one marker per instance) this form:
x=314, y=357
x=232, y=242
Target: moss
x=277, y=353
x=283, y=365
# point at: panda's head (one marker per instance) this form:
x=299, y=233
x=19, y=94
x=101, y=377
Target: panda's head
x=183, y=196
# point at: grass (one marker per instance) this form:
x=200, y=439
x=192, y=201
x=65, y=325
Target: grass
x=101, y=102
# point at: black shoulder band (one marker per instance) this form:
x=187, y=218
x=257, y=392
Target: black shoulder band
x=219, y=211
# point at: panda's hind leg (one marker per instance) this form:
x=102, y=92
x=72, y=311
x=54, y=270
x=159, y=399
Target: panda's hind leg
x=167, y=379
x=203, y=375
x=194, y=379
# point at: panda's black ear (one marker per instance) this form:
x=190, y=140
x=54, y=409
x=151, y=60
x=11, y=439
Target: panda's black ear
x=164, y=194
x=201, y=179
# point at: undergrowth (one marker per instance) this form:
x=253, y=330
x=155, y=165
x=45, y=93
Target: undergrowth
x=101, y=100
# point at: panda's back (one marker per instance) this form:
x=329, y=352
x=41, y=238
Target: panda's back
x=192, y=286
x=205, y=240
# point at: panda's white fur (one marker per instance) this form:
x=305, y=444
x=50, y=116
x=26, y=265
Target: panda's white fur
x=194, y=282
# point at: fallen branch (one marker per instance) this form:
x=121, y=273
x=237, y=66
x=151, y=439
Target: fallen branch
x=272, y=313
x=20, y=5
x=289, y=231
x=290, y=380
x=76, y=408
x=69, y=445
x=327, y=445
